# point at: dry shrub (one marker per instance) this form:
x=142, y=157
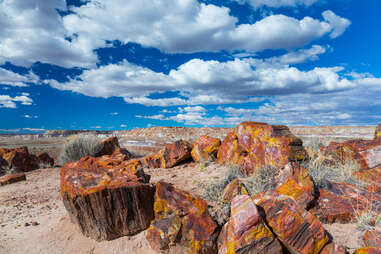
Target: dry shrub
x=260, y=181
x=79, y=146
x=323, y=170
x=44, y=165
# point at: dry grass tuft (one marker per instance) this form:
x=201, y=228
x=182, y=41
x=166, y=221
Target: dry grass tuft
x=260, y=181
x=367, y=220
x=323, y=171
x=79, y=146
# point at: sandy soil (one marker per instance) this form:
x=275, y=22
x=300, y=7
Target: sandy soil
x=33, y=218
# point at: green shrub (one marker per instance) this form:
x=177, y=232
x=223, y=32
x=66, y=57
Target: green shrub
x=79, y=146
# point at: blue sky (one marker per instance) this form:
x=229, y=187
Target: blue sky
x=114, y=65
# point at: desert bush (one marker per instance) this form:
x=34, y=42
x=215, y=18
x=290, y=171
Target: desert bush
x=367, y=220
x=323, y=171
x=79, y=146
x=44, y=165
x=260, y=181
x=314, y=144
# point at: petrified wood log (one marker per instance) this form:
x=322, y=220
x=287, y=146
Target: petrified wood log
x=246, y=232
x=12, y=178
x=253, y=145
x=107, y=197
x=170, y=156
x=205, y=148
x=298, y=230
x=181, y=220
x=19, y=158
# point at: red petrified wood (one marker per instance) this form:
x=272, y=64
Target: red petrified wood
x=108, y=146
x=372, y=238
x=297, y=229
x=12, y=178
x=19, y=159
x=181, y=220
x=253, y=145
x=170, y=156
x=107, y=196
x=339, y=202
x=205, y=148
x=246, y=232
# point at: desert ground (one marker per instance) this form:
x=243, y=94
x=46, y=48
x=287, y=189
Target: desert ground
x=33, y=218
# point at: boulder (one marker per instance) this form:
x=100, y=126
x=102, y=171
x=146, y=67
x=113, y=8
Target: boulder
x=108, y=146
x=12, y=178
x=45, y=159
x=253, y=145
x=368, y=250
x=370, y=177
x=340, y=202
x=377, y=133
x=205, y=148
x=293, y=180
x=298, y=230
x=246, y=232
x=19, y=159
x=170, y=156
x=367, y=153
x=181, y=220
x=372, y=238
x=333, y=208
x=108, y=197
x=234, y=188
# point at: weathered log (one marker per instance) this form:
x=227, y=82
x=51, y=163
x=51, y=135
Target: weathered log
x=253, y=145
x=107, y=197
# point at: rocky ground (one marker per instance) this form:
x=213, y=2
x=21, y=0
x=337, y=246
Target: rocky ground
x=34, y=220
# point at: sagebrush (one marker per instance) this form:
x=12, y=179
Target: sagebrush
x=79, y=146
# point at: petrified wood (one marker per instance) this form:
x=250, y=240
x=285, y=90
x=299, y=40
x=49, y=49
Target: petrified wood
x=297, y=229
x=181, y=220
x=246, y=231
x=107, y=197
x=253, y=145
x=170, y=156
x=12, y=178
x=205, y=148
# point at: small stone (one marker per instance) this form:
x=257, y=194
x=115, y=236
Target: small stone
x=26, y=224
x=35, y=223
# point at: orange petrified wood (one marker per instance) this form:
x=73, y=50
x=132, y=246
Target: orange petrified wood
x=293, y=180
x=205, y=148
x=297, y=229
x=181, y=219
x=170, y=156
x=253, y=145
x=107, y=197
x=19, y=159
x=12, y=178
